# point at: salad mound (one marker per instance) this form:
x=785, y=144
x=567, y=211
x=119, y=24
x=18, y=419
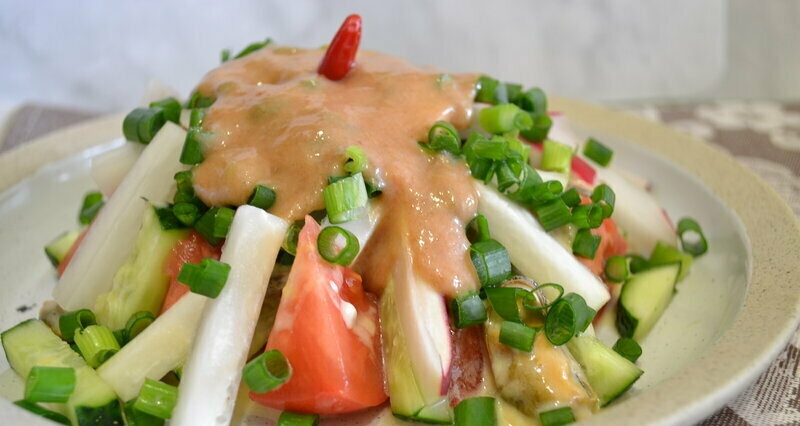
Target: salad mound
x=341, y=235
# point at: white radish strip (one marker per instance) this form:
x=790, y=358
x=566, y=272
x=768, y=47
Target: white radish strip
x=111, y=236
x=213, y=371
x=110, y=168
x=533, y=251
x=159, y=349
x=641, y=218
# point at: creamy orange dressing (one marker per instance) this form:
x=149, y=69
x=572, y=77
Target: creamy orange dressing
x=276, y=122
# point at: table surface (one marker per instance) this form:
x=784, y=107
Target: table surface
x=764, y=136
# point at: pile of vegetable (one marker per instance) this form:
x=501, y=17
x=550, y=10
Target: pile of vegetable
x=168, y=307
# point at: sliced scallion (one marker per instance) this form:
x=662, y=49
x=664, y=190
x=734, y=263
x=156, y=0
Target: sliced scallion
x=167, y=219
x=134, y=417
x=531, y=302
x=605, y=197
x=533, y=100
x=557, y=417
x=628, y=348
x=292, y=234
x=137, y=323
x=504, y=118
x=517, y=335
x=142, y=124
x=553, y=214
x=186, y=213
x=486, y=90
x=345, y=199
x=616, y=268
x=356, y=159
x=156, y=398
x=478, y=229
x=171, y=107
x=588, y=216
x=289, y=418
x=556, y=156
x=49, y=384
x=475, y=411
x=504, y=302
x=71, y=322
x=442, y=136
x=206, y=278
x=97, y=344
x=192, y=152
x=539, y=128
x=337, y=245
x=583, y=313
x=262, y=197
x=597, y=152
x=637, y=263
x=92, y=203
x=491, y=262
x=197, y=100
x=571, y=197
x=692, y=239
x=566, y=317
x=267, y=371
x=585, y=244
x=252, y=47
x=467, y=310
x=214, y=225
x=42, y=412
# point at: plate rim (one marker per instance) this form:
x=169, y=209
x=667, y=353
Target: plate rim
x=709, y=164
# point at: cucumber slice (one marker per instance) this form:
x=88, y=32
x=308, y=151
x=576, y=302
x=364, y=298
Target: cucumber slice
x=664, y=254
x=644, y=298
x=609, y=373
x=58, y=248
x=32, y=343
x=140, y=283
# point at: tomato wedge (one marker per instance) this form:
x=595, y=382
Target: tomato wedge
x=193, y=249
x=327, y=328
x=612, y=243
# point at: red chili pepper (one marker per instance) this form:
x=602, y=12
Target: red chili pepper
x=341, y=54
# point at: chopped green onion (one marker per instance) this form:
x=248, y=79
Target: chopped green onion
x=224, y=55
x=504, y=118
x=531, y=303
x=475, y=411
x=478, y=229
x=513, y=91
x=214, y=225
x=504, y=302
x=557, y=417
x=486, y=90
x=71, y=322
x=571, y=197
x=134, y=417
x=252, y=47
x=588, y=216
x=442, y=136
x=42, y=412
x=262, y=197
x=539, y=129
x=544, y=192
x=171, y=107
x=605, y=197
x=468, y=309
x=517, y=335
x=288, y=418
x=356, y=159
x=692, y=239
x=96, y=344
x=637, y=263
x=337, y=245
x=664, y=254
x=585, y=244
x=597, y=152
x=556, y=156
x=292, y=234
x=505, y=176
x=192, y=152
x=345, y=199
x=267, y=371
x=491, y=262
x=196, y=118
x=49, y=384
x=167, y=218
x=628, y=348
x=534, y=101
x=137, y=323
x=616, y=268
x=156, y=398
x=92, y=203
x=206, y=278
x=584, y=315
x=199, y=101
x=183, y=181
x=186, y=213
x=142, y=124
x=553, y=214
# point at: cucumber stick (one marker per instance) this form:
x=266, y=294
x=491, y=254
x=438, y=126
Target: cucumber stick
x=32, y=343
x=140, y=283
x=644, y=298
x=609, y=373
x=58, y=248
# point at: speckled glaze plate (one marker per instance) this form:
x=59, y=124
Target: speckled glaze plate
x=728, y=321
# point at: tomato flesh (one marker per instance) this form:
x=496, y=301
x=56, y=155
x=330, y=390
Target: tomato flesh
x=327, y=328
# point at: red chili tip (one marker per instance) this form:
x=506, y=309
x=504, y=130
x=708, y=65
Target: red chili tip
x=340, y=57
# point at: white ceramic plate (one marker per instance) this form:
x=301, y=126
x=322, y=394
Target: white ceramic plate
x=730, y=318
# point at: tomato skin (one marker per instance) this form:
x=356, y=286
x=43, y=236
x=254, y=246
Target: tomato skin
x=336, y=366
x=193, y=249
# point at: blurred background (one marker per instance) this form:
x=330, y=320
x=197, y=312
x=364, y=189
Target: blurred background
x=100, y=56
